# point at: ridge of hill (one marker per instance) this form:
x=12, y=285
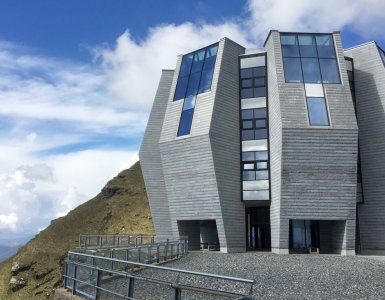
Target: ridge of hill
x=120, y=207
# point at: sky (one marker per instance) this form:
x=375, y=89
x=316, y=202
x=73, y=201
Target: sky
x=77, y=80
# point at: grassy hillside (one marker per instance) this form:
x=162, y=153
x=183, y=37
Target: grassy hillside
x=121, y=207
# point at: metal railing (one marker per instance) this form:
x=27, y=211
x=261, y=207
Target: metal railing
x=106, y=278
x=144, y=253
x=92, y=241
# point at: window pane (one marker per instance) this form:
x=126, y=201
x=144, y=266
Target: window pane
x=205, y=84
x=259, y=113
x=325, y=45
x=247, y=135
x=262, y=165
x=261, y=155
x=259, y=82
x=259, y=71
x=189, y=103
x=246, y=83
x=317, y=110
x=198, y=61
x=307, y=46
x=292, y=68
x=260, y=134
x=247, y=156
x=260, y=175
x=329, y=71
x=246, y=93
x=246, y=73
x=185, y=122
x=248, y=175
x=249, y=166
x=186, y=65
x=247, y=124
x=247, y=114
x=310, y=68
x=212, y=51
x=289, y=45
x=180, y=91
x=193, y=83
x=260, y=123
x=260, y=92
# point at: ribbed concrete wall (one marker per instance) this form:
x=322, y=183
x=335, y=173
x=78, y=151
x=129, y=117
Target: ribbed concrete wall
x=201, y=171
x=225, y=145
x=150, y=159
x=317, y=165
x=369, y=75
x=274, y=66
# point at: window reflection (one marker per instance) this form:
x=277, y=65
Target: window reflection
x=317, y=110
x=309, y=58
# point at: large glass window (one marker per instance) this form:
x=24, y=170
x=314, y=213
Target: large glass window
x=293, y=71
x=253, y=83
x=309, y=58
x=195, y=77
x=329, y=70
x=317, y=110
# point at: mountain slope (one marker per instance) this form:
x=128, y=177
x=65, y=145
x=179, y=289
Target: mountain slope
x=121, y=207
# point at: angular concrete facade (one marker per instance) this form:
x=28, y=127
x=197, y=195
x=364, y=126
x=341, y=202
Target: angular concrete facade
x=196, y=181
x=369, y=82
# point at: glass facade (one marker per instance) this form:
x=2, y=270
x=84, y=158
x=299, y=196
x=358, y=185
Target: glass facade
x=195, y=76
x=309, y=58
x=254, y=128
x=317, y=110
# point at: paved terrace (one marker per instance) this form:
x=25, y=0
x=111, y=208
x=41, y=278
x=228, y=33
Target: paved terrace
x=293, y=276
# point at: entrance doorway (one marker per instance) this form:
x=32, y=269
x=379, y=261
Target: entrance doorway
x=304, y=235
x=258, y=228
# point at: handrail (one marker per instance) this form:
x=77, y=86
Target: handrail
x=125, y=274
x=249, y=281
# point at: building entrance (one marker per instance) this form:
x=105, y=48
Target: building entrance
x=258, y=228
x=304, y=234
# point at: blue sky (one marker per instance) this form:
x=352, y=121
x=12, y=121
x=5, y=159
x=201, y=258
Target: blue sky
x=77, y=80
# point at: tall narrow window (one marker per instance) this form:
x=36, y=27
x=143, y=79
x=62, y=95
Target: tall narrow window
x=317, y=110
x=195, y=77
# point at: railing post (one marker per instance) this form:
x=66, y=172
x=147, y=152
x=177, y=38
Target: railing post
x=157, y=253
x=130, y=290
x=149, y=256
x=112, y=256
x=126, y=255
x=138, y=254
x=74, y=280
x=65, y=275
x=97, y=292
x=177, y=293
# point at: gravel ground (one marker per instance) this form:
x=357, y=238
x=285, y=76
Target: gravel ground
x=276, y=276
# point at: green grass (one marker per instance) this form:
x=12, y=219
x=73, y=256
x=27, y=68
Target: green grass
x=125, y=211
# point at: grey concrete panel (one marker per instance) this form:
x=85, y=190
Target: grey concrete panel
x=317, y=165
x=369, y=75
x=151, y=161
x=225, y=144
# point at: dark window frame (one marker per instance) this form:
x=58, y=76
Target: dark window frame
x=318, y=57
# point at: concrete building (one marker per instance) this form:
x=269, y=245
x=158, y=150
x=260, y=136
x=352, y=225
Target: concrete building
x=252, y=151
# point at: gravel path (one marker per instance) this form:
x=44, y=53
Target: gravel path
x=277, y=276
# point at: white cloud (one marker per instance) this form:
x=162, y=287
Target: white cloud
x=8, y=221
x=133, y=68
x=365, y=18
x=34, y=194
